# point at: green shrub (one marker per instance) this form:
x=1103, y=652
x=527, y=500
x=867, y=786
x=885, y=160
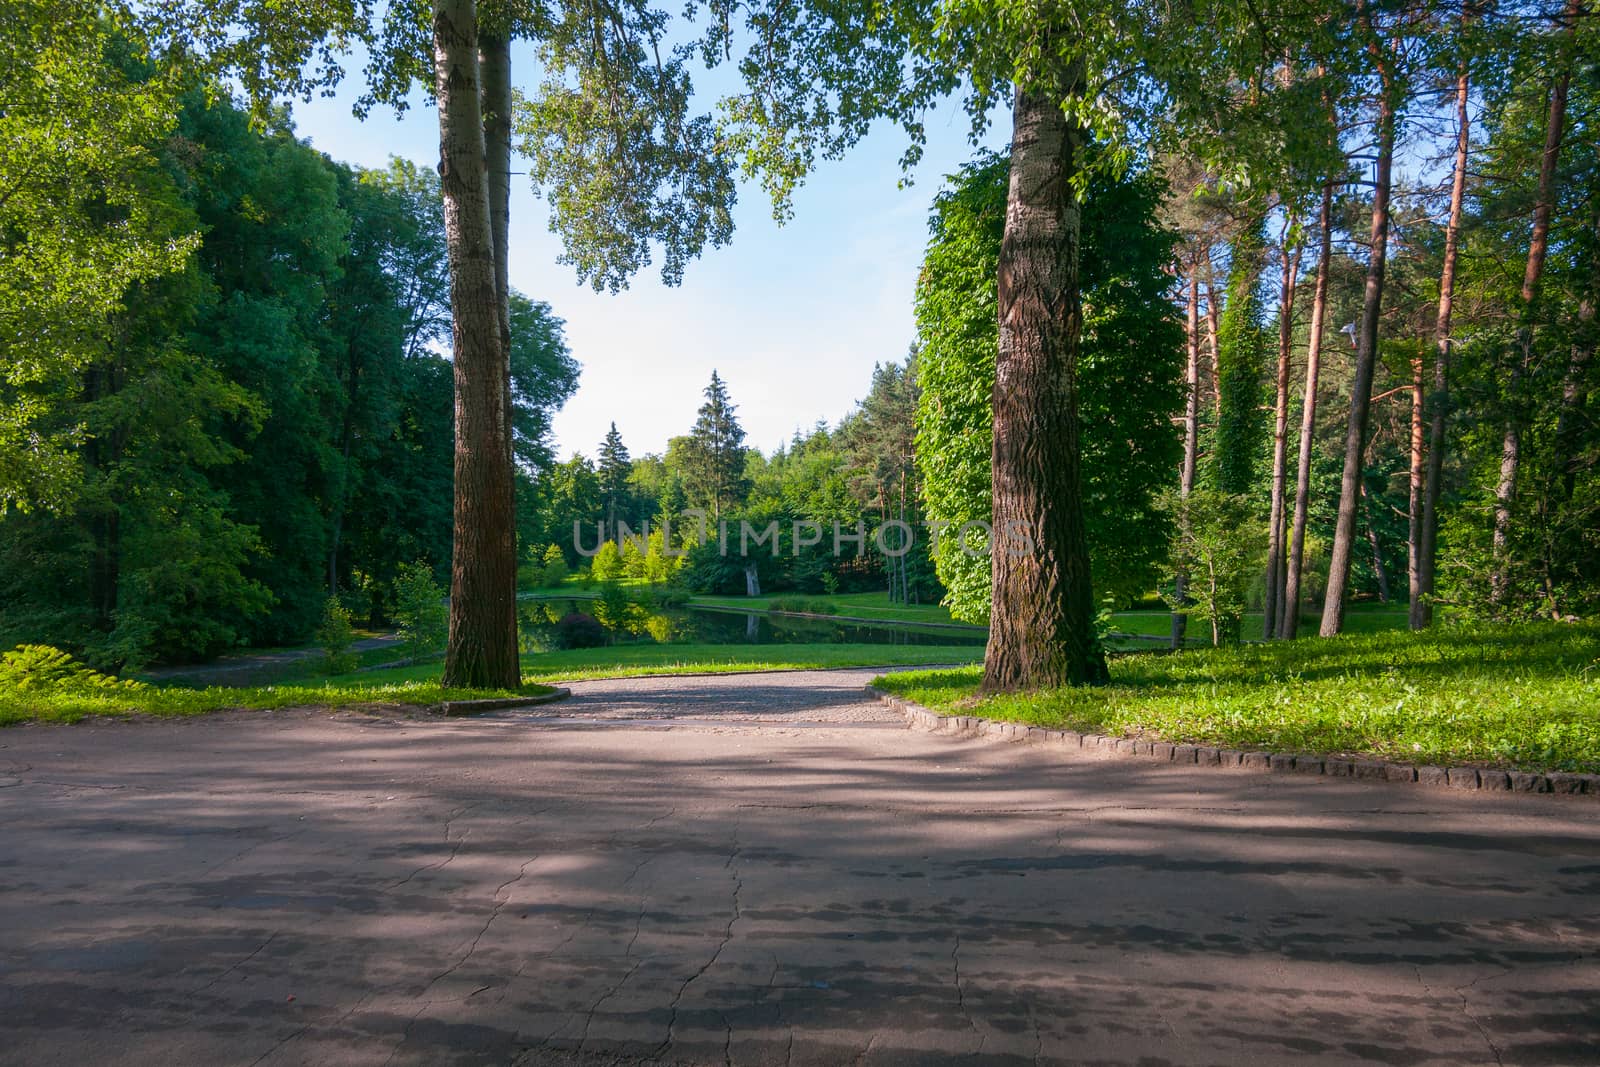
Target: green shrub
x=607, y=563
x=661, y=629
x=335, y=635
x=1220, y=544
x=555, y=567
x=38, y=668
x=578, y=630
x=420, y=609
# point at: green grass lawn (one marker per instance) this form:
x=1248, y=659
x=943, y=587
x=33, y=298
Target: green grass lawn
x=855, y=605
x=626, y=661
x=1358, y=619
x=352, y=689
x=1526, y=697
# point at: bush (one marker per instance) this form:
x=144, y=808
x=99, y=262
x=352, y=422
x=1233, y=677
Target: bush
x=1220, y=544
x=607, y=563
x=555, y=567
x=673, y=595
x=577, y=630
x=420, y=609
x=661, y=629
x=35, y=668
x=335, y=635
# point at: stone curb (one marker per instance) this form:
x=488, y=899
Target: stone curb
x=1477, y=779
x=456, y=708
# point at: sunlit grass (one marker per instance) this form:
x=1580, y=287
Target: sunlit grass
x=625, y=661
x=1524, y=696
x=70, y=706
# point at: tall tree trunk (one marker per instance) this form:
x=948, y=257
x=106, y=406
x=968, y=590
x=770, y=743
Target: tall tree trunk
x=482, y=649
x=1505, y=491
x=1041, y=630
x=1191, y=441
x=1415, y=476
x=1422, y=602
x=494, y=65
x=1275, y=595
x=1289, y=616
x=1355, y=442
x=1214, y=344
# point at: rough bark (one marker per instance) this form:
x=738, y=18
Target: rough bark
x=1415, y=477
x=1355, y=442
x=1191, y=440
x=1422, y=603
x=482, y=649
x=1041, y=630
x=1289, y=616
x=1505, y=491
x=1275, y=594
x=494, y=66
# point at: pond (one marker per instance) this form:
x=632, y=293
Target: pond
x=730, y=626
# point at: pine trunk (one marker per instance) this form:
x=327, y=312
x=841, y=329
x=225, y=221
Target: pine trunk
x=1416, y=483
x=1355, y=442
x=1275, y=595
x=1214, y=343
x=482, y=650
x=1422, y=604
x=1191, y=441
x=1505, y=491
x=1289, y=620
x=1041, y=630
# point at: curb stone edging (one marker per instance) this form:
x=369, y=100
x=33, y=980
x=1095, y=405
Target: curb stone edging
x=458, y=708
x=1477, y=779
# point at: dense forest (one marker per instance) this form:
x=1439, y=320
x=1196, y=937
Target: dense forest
x=1331, y=339
x=263, y=419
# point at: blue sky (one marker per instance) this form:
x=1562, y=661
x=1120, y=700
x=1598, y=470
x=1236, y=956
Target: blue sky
x=793, y=317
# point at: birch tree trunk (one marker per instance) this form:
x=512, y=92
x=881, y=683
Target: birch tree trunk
x=1041, y=630
x=1275, y=595
x=1505, y=491
x=1355, y=442
x=1289, y=620
x=482, y=649
x=1191, y=440
x=1422, y=602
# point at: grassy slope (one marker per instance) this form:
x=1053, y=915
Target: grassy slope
x=1526, y=696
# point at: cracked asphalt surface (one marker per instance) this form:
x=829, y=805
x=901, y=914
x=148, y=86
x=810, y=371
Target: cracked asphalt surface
x=761, y=869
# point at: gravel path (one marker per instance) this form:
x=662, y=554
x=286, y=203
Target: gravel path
x=760, y=869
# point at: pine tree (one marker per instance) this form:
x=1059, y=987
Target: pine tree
x=714, y=459
x=614, y=468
